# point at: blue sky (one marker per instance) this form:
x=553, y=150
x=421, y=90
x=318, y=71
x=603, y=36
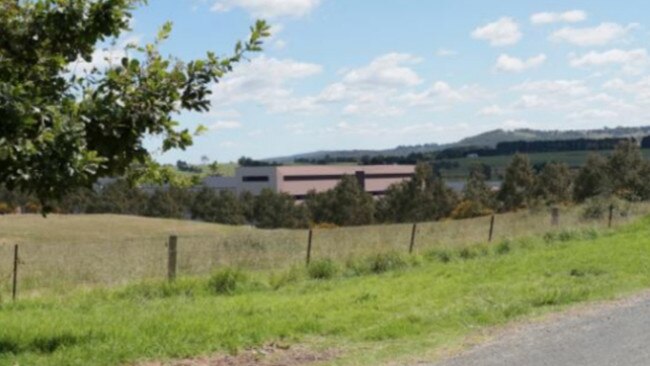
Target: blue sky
x=341, y=74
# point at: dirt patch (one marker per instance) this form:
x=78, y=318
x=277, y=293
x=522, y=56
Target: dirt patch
x=270, y=355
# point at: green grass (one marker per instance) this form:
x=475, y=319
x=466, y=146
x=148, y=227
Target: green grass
x=499, y=163
x=415, y=306
x=60, y=252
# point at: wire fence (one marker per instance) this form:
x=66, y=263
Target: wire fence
x=75, y=258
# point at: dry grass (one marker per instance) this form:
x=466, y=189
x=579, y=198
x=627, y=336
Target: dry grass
x=59, y=251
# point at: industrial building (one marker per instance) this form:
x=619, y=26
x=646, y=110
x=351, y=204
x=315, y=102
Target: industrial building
x=299, y=180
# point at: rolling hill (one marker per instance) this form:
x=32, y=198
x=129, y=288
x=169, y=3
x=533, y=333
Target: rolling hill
x=486, y=139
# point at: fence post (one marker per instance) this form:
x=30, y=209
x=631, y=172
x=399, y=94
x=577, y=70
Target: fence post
x=413, y=230
x=172, y=254
x=611, y=214
x=311, y=234
x=491, y=229
x=555, y=216
x=14, y=287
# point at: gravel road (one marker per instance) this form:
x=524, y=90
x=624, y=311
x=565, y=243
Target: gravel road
x=609, y=334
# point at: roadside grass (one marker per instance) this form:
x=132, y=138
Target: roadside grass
x=60, y=252
x=373, y=310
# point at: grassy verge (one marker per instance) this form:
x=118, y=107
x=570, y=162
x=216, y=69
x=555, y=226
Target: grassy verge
x=377, y=309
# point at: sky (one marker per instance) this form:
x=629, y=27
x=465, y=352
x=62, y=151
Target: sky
x=373, y=74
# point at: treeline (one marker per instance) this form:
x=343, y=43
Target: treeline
x=529, y=147
x=623, y=174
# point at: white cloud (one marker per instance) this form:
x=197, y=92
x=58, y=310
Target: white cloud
x=492, y=110
x=529, y=101
x=594, y=36
x=563, y=87
x=572, y=16
x=445, y=52
x=516, y=123
x=441, y=95
x=590, y=114
x=639, y=89
x=513, y=64
x=632, y=61
x=372, y=89
x=265, y=81
x=388, y=70
x=269, y=8
x=502, y=32
x=224, y=125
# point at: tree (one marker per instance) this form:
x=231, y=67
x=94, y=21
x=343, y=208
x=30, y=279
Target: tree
x=222, y=207
x=422, y=198
x=519, y=183
x=346, y=204
x=61, y=131
x=170, y=202
x=554, y=183
x=478, y=198
x=629, y=172
x=593, y=179
x=118, y=197
x=275, y=210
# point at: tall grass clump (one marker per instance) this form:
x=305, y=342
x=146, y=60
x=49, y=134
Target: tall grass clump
x=227, y=281
x=503, y=247
x=385, y=262
x=322, y=269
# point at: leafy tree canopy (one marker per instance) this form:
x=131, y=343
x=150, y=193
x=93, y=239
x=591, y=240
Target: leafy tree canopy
x=61, y=131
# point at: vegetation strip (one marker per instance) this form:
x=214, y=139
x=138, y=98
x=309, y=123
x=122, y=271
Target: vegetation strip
x=393, y=304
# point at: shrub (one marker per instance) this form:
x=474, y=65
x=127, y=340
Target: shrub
x=293, y=275
x=442, y=255
x=384, y=262
x=468, y=209
x=6, y=209
x=503, y=247
x=324, y=225
x=227, y=281
x=322, y=269
x=466, y=253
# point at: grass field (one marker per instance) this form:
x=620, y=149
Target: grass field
x=499, y=163
x=58, y=252
x=395, y=313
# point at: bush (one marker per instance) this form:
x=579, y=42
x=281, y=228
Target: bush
x=503, y=247
x=293, y=275
x=442, y=255
x=322, y=269
x=468, y=209
x=384, y=262
x=227, y=281
x=6, y=209
x=466, y=253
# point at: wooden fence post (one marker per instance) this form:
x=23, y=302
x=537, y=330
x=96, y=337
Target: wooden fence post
x=555, y=216
x=611, y=214
x=14, y=287
x=172, y=254
x=311, y=234
x=491, y=228
x=413, y=230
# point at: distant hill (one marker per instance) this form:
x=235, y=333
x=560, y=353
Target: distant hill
x=486, y=139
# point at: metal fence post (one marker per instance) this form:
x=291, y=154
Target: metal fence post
x=172, y=254
x=611, y=215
